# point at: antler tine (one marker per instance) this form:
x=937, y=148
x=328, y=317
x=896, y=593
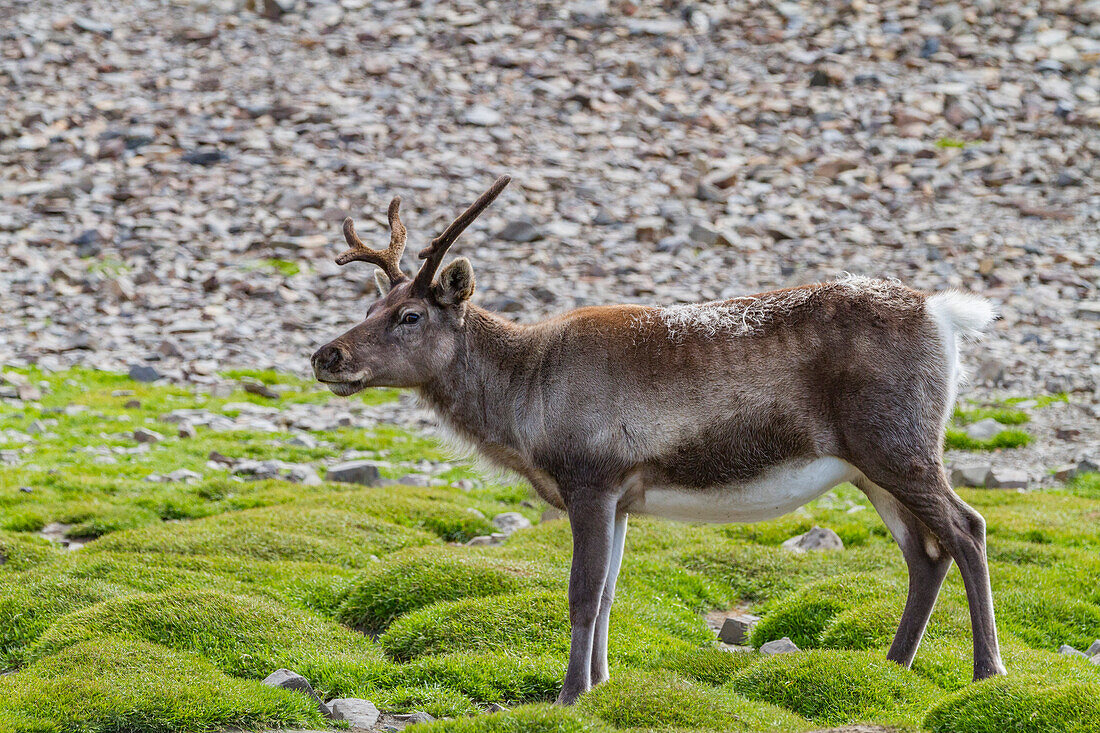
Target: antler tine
x=433, y=253
x=388, y=259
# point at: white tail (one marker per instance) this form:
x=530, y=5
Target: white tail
x=961, y=314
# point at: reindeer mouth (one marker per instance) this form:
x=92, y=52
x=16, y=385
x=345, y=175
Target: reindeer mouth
x=345, y=389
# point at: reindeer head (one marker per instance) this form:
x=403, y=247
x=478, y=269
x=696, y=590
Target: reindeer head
x=411, y=332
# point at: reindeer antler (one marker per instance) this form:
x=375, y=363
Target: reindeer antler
x=388, y=259
x=433, y=253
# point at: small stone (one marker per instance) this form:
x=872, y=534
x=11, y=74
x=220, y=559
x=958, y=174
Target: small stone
x=984, y=430
x=975, y=476
x=1089, y=310
x=737, y=629
x=1069, y=651
x=520, y=231
x=1094, y=648
x=182, y=475
x=261, y=389
x=302, y=440
x=495, y=538
x=509, y=522
x=354, y=472
x=1088, y=465
x=145, y=435
x=779, y=646
x=703, y=233
x=288, y=680
x=818, y=538
x=482, y=116
x=132, y=404
x=204, y=157
x=400, y=721
x=1007, y=478
x=144, y=373
x=358, y=713
x=93, y=26
x=495, y=707
x=186, y=430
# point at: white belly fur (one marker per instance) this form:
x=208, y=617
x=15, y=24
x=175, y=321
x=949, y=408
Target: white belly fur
x=782, y=489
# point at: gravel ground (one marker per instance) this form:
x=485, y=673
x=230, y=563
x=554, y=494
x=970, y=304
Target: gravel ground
x=174, y=174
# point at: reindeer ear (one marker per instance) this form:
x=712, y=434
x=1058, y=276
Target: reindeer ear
x=383, y=282
x=456, y=282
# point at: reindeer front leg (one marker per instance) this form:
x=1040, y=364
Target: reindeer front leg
x=592, y=518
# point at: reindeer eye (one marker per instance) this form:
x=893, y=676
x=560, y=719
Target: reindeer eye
x=410, y=318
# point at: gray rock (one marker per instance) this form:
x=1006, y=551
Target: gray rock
x=1094, y=648
x=779, y=646
x=144, y=373
x=495, y=538
x=360, y=714
x=509, y=522
x=145, y=435
x=482, y=116
x=1065, y=472
x=1007, y=478
x=1069, y=651
x=302, y=440
x=818, y=538
x=737, y=629
x=354, y=472
x=1095, y=659
x=520, y=230
x=400, y=721
x=261, y=389
x=186, y=430
x=975, y=475
x=985, y=429
x=289, y=680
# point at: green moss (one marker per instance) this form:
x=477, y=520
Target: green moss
x=275, y=533
x=243, y=636
x=872, y=625
x=1003, y=415
x=835, y=687
x=488, y=677
x=30, y=602
x=416, y=578
x=1008, y=438
x=710, y=665
x=1023, y=704
x=111, y=685
x=804, y=616
x=19, y=552
x=536, y=621
x=528, y=719
x=662, y=700
x=1086, y=485
x=436, y=700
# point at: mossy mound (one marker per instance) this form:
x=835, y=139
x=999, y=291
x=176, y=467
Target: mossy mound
x=709, y=665
x=528, y=719
x=435, y=510
x=30, y=602
x=275, y=533
x=873, y=625
x=536, y=621
x=243, y=636
x=835, y=687
x=19, y=552
x=663, y=700
x=115, y=685
x=1021, y=704
x=489, y=676
x=417, y=578
x=805, y=614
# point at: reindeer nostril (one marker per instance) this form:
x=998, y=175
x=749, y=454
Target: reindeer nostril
x=327, y=357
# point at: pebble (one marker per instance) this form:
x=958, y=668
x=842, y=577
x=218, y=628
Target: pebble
x=1007, y=478
x=145, y=435
x=289, y=680
x=354, y=472
x=510, y=522
x=737, y=629
x=144, y=373
x=778, y=646
x=985, y=429
x=817, y=539
x=359, y=714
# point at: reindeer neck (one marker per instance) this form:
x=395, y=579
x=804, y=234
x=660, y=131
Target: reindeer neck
x=477, y=394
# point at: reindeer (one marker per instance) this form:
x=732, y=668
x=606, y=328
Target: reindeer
x=732, y=411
